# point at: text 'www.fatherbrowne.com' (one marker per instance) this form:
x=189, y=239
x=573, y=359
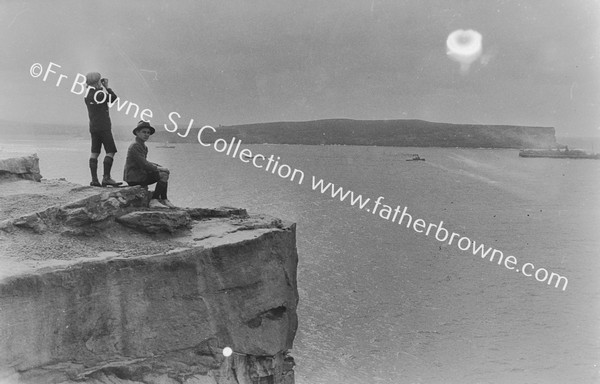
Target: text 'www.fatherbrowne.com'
x=400, y=216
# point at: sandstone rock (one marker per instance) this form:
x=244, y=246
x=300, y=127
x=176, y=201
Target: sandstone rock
x=80, y=214
x=163, y=310
x=105, y=205
x=157, y=221
x=33, y=221
x=128, y=306
x=26, y=167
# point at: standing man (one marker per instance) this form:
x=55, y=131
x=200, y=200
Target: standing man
x=97, y=98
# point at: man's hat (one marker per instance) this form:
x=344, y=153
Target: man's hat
x=144, y=124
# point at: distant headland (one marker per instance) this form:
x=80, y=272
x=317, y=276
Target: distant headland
x=394, y=133
x=391, y=133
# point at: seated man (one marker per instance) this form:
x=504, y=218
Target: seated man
x=139, y=171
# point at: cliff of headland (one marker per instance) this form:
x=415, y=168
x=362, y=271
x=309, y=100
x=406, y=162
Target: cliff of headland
x=396, y=133
x=95, y=287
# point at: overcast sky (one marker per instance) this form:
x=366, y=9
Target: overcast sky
x=235, y=62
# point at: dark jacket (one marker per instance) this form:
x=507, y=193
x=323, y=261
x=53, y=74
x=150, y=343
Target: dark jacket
x=136, y=166
x=98, y=112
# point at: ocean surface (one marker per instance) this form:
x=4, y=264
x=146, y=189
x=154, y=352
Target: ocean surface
x=381, y=303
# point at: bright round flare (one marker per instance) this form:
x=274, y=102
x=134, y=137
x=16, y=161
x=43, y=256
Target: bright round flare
x=464, y=47
x=227, y=351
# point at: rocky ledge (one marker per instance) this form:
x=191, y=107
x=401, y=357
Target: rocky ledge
x=95, y=287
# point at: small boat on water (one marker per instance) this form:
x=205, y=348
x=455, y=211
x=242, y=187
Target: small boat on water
x=165, y=145
x=559, y=153
x=416, y=157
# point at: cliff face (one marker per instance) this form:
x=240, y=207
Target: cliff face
x=88, y=294
x=398, y=133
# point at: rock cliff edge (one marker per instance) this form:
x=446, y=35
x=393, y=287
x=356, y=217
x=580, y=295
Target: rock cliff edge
x=95, y=287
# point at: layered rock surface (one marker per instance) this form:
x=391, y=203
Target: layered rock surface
x=89, y=294
x=26, y=167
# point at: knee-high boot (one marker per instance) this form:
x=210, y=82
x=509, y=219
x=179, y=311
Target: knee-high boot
x=163, y=195
x=94, y=171
x=106, y=179
x=160, y=192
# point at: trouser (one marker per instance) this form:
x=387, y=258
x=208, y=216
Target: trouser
x=161, y=179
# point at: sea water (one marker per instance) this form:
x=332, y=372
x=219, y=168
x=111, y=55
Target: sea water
x=381, y=303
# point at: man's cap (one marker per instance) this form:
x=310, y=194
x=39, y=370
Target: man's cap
x=144, y=124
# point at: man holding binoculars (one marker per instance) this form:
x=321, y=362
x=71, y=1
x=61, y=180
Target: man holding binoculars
x=97, y=100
